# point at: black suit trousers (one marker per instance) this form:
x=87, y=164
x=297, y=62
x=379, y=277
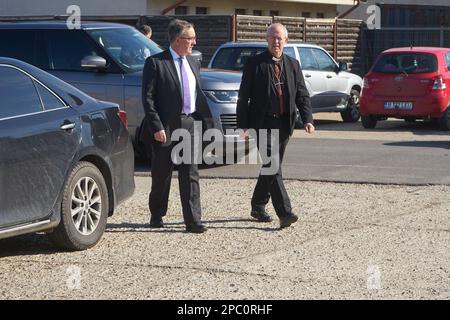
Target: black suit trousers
x=272, y=186
x=188, y=179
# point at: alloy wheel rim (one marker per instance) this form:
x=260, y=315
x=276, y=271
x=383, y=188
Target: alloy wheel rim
x=355, y=105
x=355, y=99
x=86, y=206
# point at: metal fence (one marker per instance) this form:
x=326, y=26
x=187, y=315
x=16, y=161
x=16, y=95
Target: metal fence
x=211, y=30
x=377, y=40
x=340, y=37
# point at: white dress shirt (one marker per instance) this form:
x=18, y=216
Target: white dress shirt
x=191, y=77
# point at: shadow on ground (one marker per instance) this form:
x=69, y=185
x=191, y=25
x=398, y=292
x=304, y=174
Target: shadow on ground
x=28, y=245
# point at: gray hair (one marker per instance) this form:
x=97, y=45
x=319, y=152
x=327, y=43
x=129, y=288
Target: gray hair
x=177, y=27
x=275, y=25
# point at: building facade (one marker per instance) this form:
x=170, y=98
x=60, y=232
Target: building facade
x=59, y=7
x=404, y=13
x=294, y=8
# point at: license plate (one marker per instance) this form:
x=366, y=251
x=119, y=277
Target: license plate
x=398, y=105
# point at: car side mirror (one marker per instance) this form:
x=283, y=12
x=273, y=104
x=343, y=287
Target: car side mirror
x=343, y=66
x=93, y=62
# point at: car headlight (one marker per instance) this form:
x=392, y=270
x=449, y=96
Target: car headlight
x=222, y=96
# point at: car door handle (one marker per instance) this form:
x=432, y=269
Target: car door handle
x=329, y=77
x=307, y=75
x=68, y=126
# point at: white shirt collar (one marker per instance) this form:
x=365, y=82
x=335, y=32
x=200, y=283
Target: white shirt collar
x=277, y=59
x=175, y=55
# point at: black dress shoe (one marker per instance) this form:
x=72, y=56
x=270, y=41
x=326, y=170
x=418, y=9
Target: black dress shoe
x=261, y=216
x=196, y=228
x=286, y=221
x=156, y=223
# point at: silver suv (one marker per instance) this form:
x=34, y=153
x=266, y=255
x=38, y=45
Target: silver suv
x=330, y=86
x=105, y=60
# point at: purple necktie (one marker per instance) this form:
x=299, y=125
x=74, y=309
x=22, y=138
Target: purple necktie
x=186, y=91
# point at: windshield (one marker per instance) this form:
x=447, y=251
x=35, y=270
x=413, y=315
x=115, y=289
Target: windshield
x=127, y=46
x=406, y=63
x=235, y=58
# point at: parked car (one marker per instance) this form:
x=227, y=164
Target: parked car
x=66, y=159
x=330, y=86
x=408, y=83
x=197, y=55
x=105, y=60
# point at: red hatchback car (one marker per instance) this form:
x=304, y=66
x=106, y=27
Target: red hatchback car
x=408, y=83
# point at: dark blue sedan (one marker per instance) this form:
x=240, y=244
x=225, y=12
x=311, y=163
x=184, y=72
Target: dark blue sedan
x=66, y=159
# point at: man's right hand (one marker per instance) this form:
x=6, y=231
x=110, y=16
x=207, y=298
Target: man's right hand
x=160, y=136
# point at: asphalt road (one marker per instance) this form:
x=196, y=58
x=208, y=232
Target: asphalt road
x=395, y=152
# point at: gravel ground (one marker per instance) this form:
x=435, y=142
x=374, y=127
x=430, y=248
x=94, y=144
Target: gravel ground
x=352, y=241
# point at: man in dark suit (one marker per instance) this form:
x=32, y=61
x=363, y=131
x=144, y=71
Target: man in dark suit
x=173, y=99
x=272, y=88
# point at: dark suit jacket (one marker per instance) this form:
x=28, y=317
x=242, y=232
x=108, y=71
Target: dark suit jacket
x=253, y=100
x=162, y=96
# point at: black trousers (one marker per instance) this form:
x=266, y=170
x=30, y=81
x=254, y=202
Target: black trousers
x=272, y=186
x=188, y=179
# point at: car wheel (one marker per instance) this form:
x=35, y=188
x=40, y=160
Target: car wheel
x=351, y=113
x=369, y=122
x=84, y=209
x=444, y=121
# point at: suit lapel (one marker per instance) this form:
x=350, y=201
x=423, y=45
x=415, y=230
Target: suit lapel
x=170, y=63
x=266, y=72
x=289, y=76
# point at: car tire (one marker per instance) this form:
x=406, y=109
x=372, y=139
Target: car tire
x=444, y=120
x=369, y=122
x=351, y=113
x=84, y=209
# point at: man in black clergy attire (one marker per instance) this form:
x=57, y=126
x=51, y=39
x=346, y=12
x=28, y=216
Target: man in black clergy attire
x=272, y=88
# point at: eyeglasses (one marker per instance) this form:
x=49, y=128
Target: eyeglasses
x=189, y=39
x=279, y=39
